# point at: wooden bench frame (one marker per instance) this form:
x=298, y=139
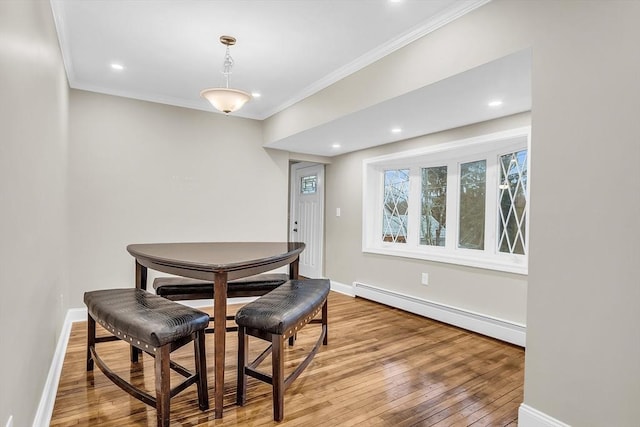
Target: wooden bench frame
x=162, y=366
x=276, y=348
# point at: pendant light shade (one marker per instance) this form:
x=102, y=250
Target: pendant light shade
x=226, y=99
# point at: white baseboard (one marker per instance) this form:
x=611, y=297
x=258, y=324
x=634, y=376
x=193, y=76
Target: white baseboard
x=530, y=417
x=342, y=288
x=503, y=330
x=48, y=398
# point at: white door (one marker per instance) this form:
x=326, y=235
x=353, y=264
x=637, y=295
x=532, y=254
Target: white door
x=306, y=221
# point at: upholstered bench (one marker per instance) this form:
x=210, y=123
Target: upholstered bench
x=274, y=317
x=183, y=288
x=156, y=326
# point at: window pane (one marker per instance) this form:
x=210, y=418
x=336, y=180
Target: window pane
x=473, y=178
x=512, y=202
x=433, y=218
x=308, y=184
x=396, y=195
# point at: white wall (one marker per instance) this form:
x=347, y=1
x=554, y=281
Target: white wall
x=583, y=340
x=141, y=172
x=33, y=203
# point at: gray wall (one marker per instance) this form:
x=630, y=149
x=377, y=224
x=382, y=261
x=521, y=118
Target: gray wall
x=33, y=203
x=583, y=365
x=583, y=340
x=143, y=172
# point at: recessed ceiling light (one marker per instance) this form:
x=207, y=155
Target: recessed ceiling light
x=117, y=67
x=335, y=145
x=396, y=130
x=256, y=94
x=495, y=103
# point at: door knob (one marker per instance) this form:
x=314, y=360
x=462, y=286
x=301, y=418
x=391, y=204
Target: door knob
x=295, y=229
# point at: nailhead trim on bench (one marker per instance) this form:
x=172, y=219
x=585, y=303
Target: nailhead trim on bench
x=301, y=323
x=114, y=331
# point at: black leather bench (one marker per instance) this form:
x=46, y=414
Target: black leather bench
x=183, y=288
x=274, y=317
x=156, y=326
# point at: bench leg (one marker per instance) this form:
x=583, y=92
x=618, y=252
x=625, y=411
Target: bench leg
x=201, y=371
x=91, y=340
x=163, y=387
x=135, y=353
x=141, y=283
x=277, y=376
x=243, y=359
x=325, y=322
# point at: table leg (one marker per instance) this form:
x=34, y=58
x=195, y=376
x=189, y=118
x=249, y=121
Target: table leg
x=293, y=269
x=220, y=330
x=293, y=275
x=141, y=276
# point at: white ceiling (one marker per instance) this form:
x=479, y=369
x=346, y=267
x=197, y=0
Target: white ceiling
x=287, y=50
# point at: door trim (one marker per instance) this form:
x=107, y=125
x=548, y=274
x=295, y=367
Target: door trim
x=293, y=167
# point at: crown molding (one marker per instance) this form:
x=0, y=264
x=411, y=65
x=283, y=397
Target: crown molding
x=450, y=14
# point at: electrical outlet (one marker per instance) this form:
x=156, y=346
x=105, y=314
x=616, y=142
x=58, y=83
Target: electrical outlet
x=425, y=278
x=10, y=421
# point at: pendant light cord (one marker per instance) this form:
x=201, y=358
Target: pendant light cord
x=226, y=66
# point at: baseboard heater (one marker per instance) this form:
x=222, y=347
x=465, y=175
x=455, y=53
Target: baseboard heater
x=503, y=330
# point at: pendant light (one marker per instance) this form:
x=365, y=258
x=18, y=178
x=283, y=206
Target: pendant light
x=226, y=99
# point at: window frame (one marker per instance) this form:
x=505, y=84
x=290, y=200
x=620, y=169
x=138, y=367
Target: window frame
x=451, y=154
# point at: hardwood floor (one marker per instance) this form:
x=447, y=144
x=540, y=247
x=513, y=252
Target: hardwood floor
x=382, y=367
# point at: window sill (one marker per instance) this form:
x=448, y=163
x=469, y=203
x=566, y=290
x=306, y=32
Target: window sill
x=507, y=263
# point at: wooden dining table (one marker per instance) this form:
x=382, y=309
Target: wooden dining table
x=217, y=262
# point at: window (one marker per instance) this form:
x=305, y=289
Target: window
x=473, y=189
x=513, y=202
x=395, y=206
x=433, y=216
x=308, y=184
x=464, y=202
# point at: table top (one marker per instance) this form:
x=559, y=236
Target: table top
x=215, y=256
